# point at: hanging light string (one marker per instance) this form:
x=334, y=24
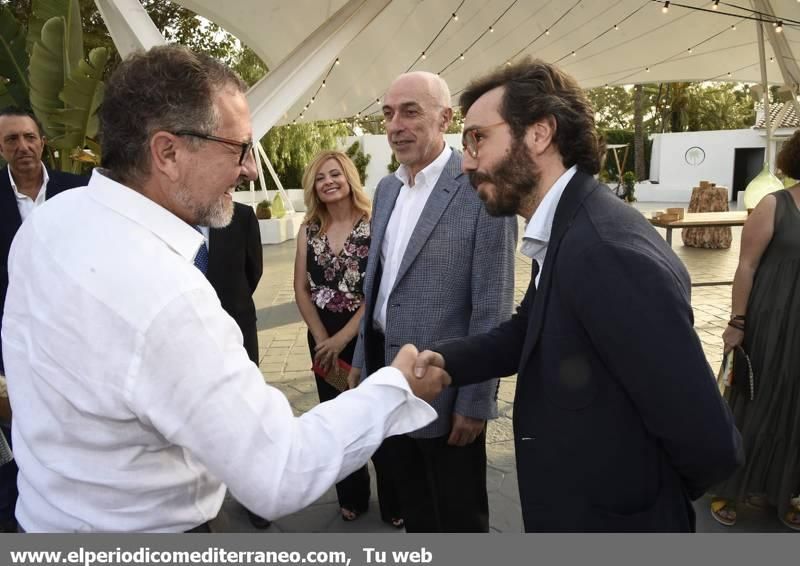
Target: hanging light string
x=453, y=17
x=615, y=27
x=423, y=55
x=676, y=55
x=490, y=29
x=762, y=14
x=757, y=17
x=627, y=40
x=546, y=31
x=322, y=85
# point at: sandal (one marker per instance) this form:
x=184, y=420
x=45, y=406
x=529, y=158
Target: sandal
x=792, y=517
x=349, y=514
x=396, y=522
x=723, y=511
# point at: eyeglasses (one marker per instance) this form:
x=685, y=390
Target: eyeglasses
x=469, y=140
x=244, y=146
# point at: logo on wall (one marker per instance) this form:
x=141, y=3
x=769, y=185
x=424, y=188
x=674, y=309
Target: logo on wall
x=694, y=156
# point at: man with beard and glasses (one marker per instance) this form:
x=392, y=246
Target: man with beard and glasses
x=133, y=397
x=618, y=422
x=439, y=267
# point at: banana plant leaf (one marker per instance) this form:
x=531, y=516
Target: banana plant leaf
x=44, y=10
x=13, y=61
x=82, y=95
x=48, y=74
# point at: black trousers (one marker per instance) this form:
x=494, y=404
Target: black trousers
x=353, y=491
x=433, y=486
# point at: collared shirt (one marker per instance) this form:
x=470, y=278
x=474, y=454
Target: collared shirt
x=133, y=397
x=25, y=203
x=407, y=210
x=537, y=232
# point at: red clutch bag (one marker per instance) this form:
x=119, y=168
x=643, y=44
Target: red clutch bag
x=336, y=376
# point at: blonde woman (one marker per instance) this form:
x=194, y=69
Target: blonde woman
x=332, y=249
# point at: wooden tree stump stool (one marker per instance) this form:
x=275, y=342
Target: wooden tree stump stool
x=708, y=198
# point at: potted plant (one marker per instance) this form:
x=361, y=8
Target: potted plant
x=263, y=210
x=629, y=182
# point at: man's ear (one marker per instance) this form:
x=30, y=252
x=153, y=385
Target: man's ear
x=164, y=153
x=447, y=117
x=540, y=134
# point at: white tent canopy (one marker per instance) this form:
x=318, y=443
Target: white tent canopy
x=375, y=40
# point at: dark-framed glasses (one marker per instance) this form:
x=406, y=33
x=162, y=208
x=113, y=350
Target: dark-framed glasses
x=472, y=136
x=244, y=146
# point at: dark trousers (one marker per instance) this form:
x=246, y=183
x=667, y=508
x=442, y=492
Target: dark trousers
x=8, y=485
x=389, y=498
x=353, y=491
x=443, y=487
x=438, y=487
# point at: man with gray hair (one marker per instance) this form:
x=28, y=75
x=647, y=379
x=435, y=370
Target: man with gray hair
x=439, y=268
x=133, y=397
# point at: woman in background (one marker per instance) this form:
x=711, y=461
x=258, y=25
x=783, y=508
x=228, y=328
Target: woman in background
x=765, y=321
x=332, y=249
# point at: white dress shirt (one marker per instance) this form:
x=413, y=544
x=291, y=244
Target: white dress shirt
x=133, y=398
x=537, y=232
x=25, y=203
x=407, y=210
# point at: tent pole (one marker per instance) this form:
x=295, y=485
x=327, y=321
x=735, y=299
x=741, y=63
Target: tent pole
x=765, y=86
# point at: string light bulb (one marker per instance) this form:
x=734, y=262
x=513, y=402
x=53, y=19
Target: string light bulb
x=312, y=100
x=424, y=56
x=491, y=29
x=616, y=27
x=323, y=84
x=733, y=27
x=665, y=7
x=689, y=50
x=715, y=6
x=647, y=69
x=573, y=54
x=547, y=31
x=461, y=57
x=337, y=60
x=779, y=27
x=455, y=17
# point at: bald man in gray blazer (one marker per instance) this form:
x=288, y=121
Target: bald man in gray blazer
x=439, y=267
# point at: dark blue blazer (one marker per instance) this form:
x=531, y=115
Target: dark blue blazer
x=10, y=219
x=618, y=422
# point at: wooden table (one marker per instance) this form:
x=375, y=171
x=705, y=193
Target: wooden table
x=702, y=219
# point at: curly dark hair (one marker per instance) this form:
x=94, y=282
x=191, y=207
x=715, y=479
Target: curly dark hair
x=168, y=88
x=535, y=90
x=788, y=159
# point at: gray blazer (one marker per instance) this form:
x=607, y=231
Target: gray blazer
x=456, y=279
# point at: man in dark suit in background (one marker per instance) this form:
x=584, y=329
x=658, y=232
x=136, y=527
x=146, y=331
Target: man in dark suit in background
x=235, y=265
x=618, y=423
x=25, y=183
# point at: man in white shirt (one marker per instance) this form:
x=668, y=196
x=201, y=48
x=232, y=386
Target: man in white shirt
x=439, y=267
x=133, y=397
x=25, y=183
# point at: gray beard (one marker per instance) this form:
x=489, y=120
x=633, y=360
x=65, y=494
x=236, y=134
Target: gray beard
x=216, y=215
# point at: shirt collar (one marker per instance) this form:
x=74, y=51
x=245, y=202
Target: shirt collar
x=432, y=171
x=43, y=190
x=541, y=223
x=127, y=202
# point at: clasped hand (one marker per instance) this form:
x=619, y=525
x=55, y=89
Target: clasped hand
x=425, y=374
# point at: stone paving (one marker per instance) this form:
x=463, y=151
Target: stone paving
x=285, y=363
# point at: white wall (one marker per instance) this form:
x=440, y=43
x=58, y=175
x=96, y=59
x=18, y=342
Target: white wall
x=676, y=175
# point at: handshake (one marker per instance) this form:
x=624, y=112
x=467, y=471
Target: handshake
x=424, y=372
